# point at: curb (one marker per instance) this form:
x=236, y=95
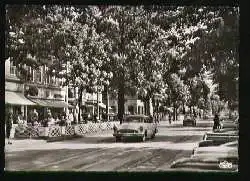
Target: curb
x=62, y=138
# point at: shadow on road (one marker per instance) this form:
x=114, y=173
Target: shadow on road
x=158, y=138
x=176, y=138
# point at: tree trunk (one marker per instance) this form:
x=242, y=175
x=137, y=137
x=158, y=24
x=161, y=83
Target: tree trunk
x=107, y=103
x=174, y=113
x=80, y=103
x=190, y=110
x=97, y=105
x=183, y=108
x=121, y=101
x=194, y=112
x=148, y=106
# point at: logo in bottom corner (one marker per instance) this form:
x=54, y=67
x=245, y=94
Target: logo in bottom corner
x=225, y=165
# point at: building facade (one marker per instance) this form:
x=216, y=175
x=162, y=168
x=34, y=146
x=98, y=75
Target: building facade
x=40, y=91
x=132, y=105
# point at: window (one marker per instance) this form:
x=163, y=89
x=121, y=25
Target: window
x=70, y=93
x=113, y=108
x=53, y=80
x=12, y=68
x=38, y=75
x=131, y=109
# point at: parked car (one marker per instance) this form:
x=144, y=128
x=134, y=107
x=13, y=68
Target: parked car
x=230, y=148
x=136, y=126
x=227, y=136
x=189, y=120
x=205, y=143
x=214, y=163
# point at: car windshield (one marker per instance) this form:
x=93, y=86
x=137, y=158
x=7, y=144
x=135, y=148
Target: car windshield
x=133, y=120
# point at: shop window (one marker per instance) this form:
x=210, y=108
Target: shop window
x=131, y=109
x=113, y=108
x=58, y=96
x=38, y=77
x=13, y=70
x=70, y=93
x=33, y=91
x=47, y=93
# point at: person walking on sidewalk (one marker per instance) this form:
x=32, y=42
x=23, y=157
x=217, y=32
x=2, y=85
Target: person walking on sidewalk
x=216, y=122
x=9, y=123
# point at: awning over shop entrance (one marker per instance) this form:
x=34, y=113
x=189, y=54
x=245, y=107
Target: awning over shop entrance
x=50, y=103
x=16, y=98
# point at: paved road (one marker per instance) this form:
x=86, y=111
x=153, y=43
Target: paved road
x=100, y=152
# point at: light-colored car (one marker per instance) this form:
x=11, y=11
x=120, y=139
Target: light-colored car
x=189, y=120
x=214, y=163
x=230, y=124
x=136, y=126
x=226, y=136
x=214, y=158
x=226, y=149
x=206, y=143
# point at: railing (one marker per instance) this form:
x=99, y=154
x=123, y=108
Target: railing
x=28, y=131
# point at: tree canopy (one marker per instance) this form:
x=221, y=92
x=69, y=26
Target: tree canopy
x=187, y=54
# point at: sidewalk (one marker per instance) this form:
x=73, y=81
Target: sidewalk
x=24, y=143
x=165, y=121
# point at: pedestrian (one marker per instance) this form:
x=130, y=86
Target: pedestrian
x=51, y=120
x=20, y=118
x=35, y=117
x=63, y=121
x=216, y=122
x=169, y=118
x=71, y=117
x=9, y=123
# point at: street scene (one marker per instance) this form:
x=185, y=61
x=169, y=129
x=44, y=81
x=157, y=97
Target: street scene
x=100, y=151
x=121, y=88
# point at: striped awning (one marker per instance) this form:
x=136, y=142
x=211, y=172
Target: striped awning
x=16, y=98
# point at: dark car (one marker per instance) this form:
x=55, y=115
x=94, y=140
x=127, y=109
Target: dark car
x=189, y=120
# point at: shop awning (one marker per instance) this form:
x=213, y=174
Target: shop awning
x=40, y=102
x=50, y=103
x=16, y=98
